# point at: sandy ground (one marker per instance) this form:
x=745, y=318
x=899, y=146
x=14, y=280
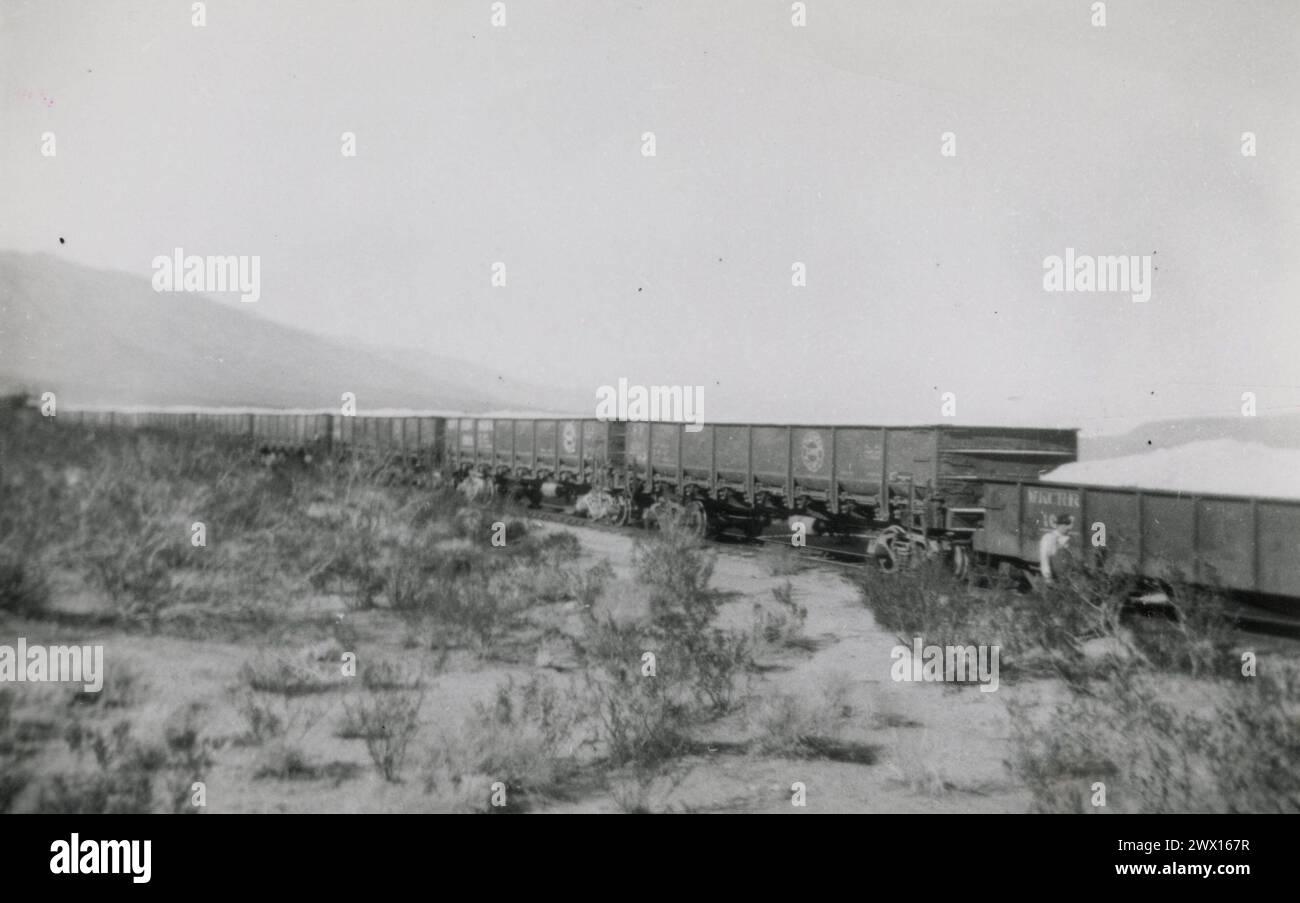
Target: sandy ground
x=936, y=748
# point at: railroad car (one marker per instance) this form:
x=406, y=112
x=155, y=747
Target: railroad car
x=845, y=481
x=543, y=459
x=1242, y=546
x=291, y=432
x=842, y=476
x=408, y=448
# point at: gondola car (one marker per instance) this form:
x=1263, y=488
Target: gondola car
x=1238, y=545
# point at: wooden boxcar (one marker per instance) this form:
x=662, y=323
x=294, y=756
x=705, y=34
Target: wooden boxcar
x=1241, y=545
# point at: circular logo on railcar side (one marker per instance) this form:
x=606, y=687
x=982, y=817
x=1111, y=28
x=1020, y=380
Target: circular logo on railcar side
x=812, y=451
x=570, y=438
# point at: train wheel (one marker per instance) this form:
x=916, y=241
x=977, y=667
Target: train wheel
x=614, y=510
x=695, y=518
x=960, y=562
x=624, y=510
x=883, y=554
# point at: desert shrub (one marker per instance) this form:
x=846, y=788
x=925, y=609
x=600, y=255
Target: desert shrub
x=137, y=574
x=779, y=624
x=243, y=500
x=927, y=602
x=14, y=776
x=915, y=765
x=784, y=561
x=13, y=781
x=515, y=530
x=676, y=567
x=407, y=580
x=286, y=761
x=189, y=756
x=519, y=584
x=6, y=716
x=802, y=727
x=123, y=688
x=270, y=673
x=713, y=659
x=560, y=547
x=134, y=530
x=646, y=719
x=272, y=717
x=352, y=563
x=1196, y=639
x=1047, y=632
x=386, y=721
x=527, y=738
x=588, y=586
x=478, y=525
x=1159, y=746
x=24, y=589
x=1257, y=733
x=262, y=716
x=426, y=509
x=479, y=607
x=1082, y=604
x=471, y=610
x=385, y=675
x=1159, y=712
x=118, y=773
x=642, y=719
x=119, y=781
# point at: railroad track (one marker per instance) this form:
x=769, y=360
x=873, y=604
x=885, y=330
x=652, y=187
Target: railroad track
x=819, y=555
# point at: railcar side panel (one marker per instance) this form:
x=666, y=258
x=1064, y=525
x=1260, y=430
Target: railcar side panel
x=503, y=444
x=595, y=443
x=911, y=456
x=697, y=454
x=569, y=437
x=523, y=436
x=1277, y=547
x=548, y=446
x=859, y=461
x=1223, y=534
x=665, y=442
x=638, y=448
x=1168, y=542
x=771, y=455
x=732, y=451
x=483, y=446
x=811, y=457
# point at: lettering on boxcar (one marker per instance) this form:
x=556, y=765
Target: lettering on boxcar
x=1062, y=498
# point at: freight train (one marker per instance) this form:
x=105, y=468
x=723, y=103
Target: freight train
x=890, y=494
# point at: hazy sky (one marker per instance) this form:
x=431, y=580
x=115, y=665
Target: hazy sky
x=774, y=144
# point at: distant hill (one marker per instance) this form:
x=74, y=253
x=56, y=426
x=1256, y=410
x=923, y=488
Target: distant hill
x=1276, y=431
x=105, y=338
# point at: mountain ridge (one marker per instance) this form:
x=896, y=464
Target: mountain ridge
x=100, y=337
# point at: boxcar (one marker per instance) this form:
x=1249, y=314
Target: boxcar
x=1240, y=545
